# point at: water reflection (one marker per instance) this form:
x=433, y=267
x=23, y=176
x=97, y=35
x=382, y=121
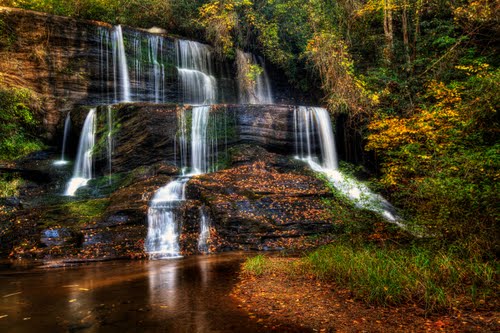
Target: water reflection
x=184, y=295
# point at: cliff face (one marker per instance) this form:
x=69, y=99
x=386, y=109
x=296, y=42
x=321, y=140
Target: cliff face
x=259, y=196
x=70, y=62
x=53, y=56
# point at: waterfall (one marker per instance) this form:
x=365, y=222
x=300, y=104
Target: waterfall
x=199, y=160
x=312, y=128
x=82, y=171
x=194, y=65
x=155, y=45
x=163, y=227
x=110, y=140
x=204, y=232
x=120, y=66
x=67, y=125
x=104, y=61
x=257, y=90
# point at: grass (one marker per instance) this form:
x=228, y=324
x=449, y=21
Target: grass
x=10, y=187
x=434, y=280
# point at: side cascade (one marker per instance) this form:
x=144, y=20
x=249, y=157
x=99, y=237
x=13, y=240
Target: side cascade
x=196, y=75
x=162, y=240
x=82, y=171
x=258, y=89
x=67, y=125
x=204, y=236
x=313, y=129
x=110, y=142
x=120, y=66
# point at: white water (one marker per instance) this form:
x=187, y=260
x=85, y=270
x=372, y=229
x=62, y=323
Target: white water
x=199, y=160
x=163, y=228
x=312, y=128
x=162, y=241
x=110, y=141
x=260, y=92
x=155, y=46
x=194, y=66
x=82, y=171
x=120, y=66
x=204, y=233
x=67, y=124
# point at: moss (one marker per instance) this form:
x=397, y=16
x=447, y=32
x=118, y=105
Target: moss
x=73, y=214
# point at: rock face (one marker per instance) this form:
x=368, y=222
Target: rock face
x=69, y=62
x=261, y=197
x=147, y=133
x=263, y=201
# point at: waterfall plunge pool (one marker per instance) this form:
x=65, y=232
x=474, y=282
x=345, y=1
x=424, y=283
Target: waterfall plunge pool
x=184, y=295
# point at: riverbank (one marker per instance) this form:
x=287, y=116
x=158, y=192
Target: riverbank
x=280, y=293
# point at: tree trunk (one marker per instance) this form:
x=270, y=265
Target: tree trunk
x=388, y=31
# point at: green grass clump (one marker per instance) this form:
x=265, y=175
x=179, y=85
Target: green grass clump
x=434, y=280
x=256, y=265
x=395, y=276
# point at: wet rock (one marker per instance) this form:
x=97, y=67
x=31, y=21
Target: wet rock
x=59, y=237
x=12, y=201
x=257, y=204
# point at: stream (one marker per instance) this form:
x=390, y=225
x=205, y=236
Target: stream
x=183, y=295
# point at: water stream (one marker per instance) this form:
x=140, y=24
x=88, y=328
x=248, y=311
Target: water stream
x=67, y=125
x=254, y=88
x=194, y=65
x=83, y=169
x=121, y=77
x=312, y=130
x=164, y=228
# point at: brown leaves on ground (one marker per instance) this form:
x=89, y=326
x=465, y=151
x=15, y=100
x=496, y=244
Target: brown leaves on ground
x=282, y=303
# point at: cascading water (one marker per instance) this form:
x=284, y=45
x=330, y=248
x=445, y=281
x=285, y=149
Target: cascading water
x=121, y=76
x=258, y=90
x=155, y=45
x=67, y=125
x=204, y=232
x=194, y=65
x=82, y=171
x=313, y=125
x=199, y=160
x=163, y=228
x=110, y=141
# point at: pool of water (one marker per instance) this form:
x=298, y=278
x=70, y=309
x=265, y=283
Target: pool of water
x=182, y=295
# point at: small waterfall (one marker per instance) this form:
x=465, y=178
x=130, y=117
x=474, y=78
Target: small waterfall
x=155, y=45
x=199, y=160
x=312, y=128
x=194, y=65
x=67, y=125
x=121, y=76
x=104, y=62
x=82, y=171
x=110, y=140
x=163, y=227
x=204, y=232
x=259, y=90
